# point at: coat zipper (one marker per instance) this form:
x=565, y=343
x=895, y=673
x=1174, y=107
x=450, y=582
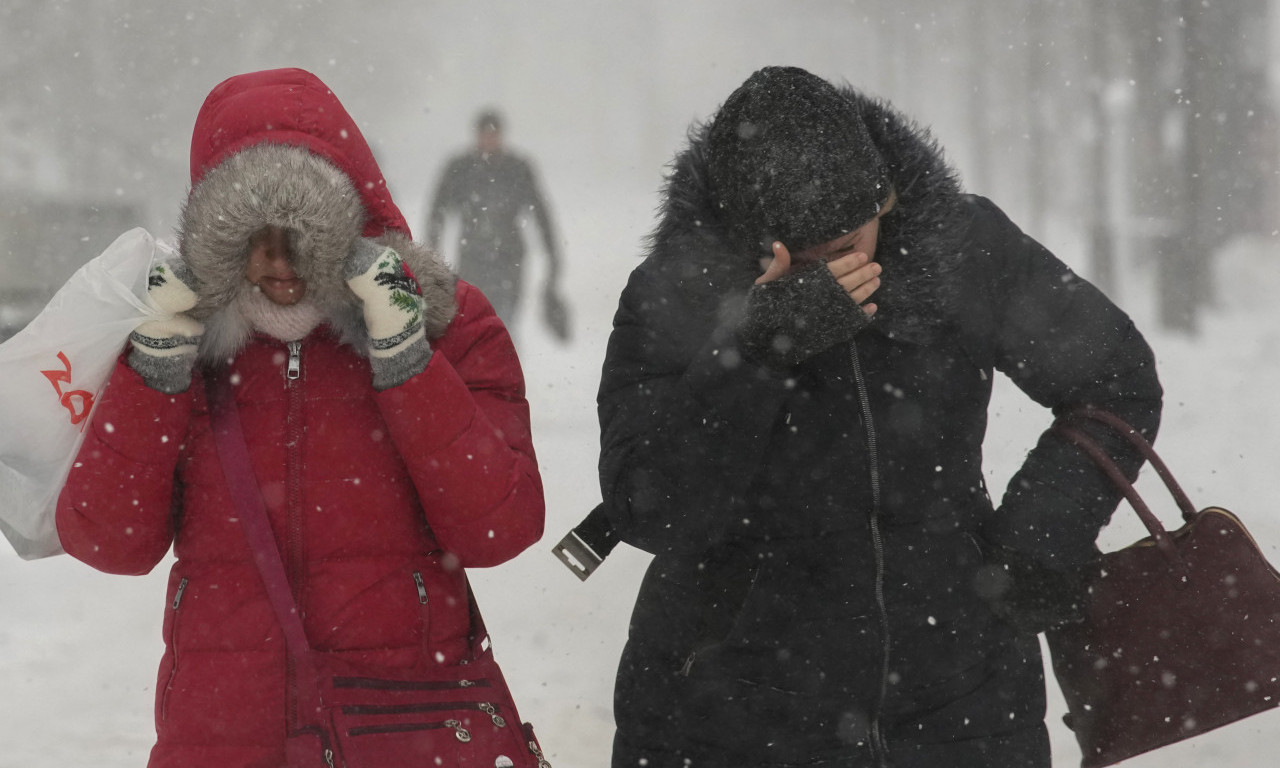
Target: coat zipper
x=293, y=478
x=384, y=684
x=879, y=747
x=173, y=641
x=294, y=369
x=374, y=710
x=459, y=730
x=422, y=587
x=177, y=594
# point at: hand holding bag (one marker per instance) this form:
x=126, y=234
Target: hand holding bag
x=52, y=371
x=356, y=715
x=1182, y=628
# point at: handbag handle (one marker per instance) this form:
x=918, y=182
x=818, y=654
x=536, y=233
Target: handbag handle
x=1144, y=447
x=1108, y=466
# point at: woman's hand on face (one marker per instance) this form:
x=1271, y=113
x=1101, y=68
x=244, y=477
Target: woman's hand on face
x=858, y=276
x=855, y=272
x=776, y=267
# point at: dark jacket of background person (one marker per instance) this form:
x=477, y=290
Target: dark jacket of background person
x=822, y=533
x=379, y=499
x=492, y=195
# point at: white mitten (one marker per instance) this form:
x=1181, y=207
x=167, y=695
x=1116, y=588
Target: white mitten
x=392, y=303
x=164, y=347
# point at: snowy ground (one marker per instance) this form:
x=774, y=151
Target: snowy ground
x=78, y=649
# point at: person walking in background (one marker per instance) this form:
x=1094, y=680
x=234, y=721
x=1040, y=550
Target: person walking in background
x=383, y=410
x=493, y=192
x=792, y=411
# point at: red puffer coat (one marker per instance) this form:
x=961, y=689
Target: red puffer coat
x=378, y=499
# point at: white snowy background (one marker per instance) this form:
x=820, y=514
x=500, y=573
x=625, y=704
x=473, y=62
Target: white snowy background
x=79, y=649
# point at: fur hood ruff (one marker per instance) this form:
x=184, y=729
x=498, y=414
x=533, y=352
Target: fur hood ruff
x=277, y=148
x=921, y=239
x=290, y=187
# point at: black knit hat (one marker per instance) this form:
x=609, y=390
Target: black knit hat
x=489, y=120
x=789, y=159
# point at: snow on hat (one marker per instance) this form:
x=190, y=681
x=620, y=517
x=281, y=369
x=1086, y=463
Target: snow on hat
x=790, y=159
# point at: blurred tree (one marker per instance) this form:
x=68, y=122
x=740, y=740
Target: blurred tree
x=1204, y=138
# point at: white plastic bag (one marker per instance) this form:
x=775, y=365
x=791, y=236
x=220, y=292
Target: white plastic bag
x=52, y=372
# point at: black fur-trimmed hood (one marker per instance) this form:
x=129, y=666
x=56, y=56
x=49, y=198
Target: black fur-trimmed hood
x=920, y=241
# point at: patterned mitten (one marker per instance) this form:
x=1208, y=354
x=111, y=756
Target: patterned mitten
x=392, y=303
x=164, y=347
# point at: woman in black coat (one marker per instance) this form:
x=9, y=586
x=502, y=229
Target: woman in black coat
x=793, y=407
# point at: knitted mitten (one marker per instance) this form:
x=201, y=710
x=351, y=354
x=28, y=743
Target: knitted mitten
x=164, y=347
x=795, y=317
x=392, y=304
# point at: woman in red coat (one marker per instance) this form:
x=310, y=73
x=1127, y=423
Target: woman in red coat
x=383, y=407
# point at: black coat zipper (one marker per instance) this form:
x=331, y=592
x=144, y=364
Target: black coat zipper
x=879, y=747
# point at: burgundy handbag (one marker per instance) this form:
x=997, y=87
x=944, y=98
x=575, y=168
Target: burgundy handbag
x=1182, y=628
x=355, y=715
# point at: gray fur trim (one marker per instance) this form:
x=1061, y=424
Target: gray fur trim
x=362, y=257
x=290, y=187
x=270, y=185
x=788, y=320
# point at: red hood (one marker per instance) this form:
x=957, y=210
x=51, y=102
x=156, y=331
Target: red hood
x=291, y=106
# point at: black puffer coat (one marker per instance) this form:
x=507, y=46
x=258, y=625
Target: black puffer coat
x=817, y=531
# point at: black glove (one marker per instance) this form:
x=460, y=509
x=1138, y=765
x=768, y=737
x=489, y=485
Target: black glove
x=788, y=320
x=1031, y=596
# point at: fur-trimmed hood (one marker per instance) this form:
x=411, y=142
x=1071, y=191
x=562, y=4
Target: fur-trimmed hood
x=277, y=148
x=921, y=239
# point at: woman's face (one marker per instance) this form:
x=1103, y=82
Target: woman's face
x=861, y=240
x=271, y=267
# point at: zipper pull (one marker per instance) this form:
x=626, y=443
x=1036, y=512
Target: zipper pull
x=542, y=761
x=328, y=757
x=422, y=588
x=461, y=733
x=177, y=595
x=295, y=361
x=498, y=720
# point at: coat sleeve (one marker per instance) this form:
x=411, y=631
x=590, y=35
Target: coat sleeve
x=462, y=429
x=537, y=205
x=443, y=199
x=116, y=510
x=1064, y=344
x=685, y=418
